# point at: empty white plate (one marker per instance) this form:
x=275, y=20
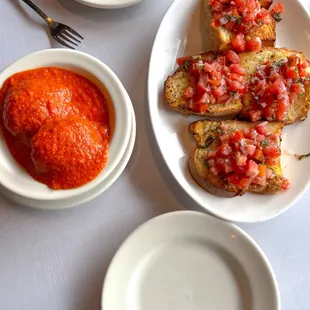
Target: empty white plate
x=187, y=260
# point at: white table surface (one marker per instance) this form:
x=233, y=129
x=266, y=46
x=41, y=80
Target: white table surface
x=58, y=260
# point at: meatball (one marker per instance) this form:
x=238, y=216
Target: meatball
x=28, y=104
x=70, y=152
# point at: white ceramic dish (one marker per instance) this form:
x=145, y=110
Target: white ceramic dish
x=171, y=129
x=13, y=177
x=83, y=198
x=189, y=260
x=109, y=4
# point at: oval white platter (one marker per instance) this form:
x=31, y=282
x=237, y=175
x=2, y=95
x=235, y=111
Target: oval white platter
x=188, y=260
x=182, y=33
x=109, y=4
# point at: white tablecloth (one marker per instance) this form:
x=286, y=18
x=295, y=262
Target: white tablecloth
x=57, y=260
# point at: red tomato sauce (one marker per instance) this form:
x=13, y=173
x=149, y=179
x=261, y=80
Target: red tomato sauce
x=56, y=126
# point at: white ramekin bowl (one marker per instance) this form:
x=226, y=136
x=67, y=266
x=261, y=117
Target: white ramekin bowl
x=15, y=178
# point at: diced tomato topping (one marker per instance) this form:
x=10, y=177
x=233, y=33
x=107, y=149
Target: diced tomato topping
x=224, y=150
x=298, y=88
x=236, y=68
x=214, y=171
x=262, y=169
x=250, y=149
x=293, y=97
x=238, y=43
x=237, y=136
x=291, y=72
x=281, y=110
x=182, y=60
x=217, y=6
x=223, y=99
x=262, y=128
x=189, y=93
x=204, y=99
x=242, y=157
x=261, y=178
x=211, y=163
x=286, y=184
x=214, y=81
x=269, y=173
x=218, y=91
x=255, y=44
x=245, y=182
x=212, y=154
x=208, y=67
x=278, y=8
x=258, y=155
x=292, y=60
x=240, y=17
x=272, y=151
x=273, y=161
x=234, y=180
x=252, y=169
x=275, y=86
x=235, y=85
x=240, y=2
x=232, y=57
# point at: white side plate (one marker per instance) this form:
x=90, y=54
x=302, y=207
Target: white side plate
x=109, y=4
x=182, y=33
x=187, y=260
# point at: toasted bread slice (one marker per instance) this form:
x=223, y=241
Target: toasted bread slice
x=176, y=84
x=205, y=134
x=250, y=60
x=220, y=39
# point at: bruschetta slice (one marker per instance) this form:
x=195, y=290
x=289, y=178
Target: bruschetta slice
x=234, y=157
x=241, y=25
x=271, y=84
x=208, y=84
x=278, y=86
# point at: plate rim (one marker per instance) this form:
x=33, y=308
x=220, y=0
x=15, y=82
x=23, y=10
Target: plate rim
x=206, y=209
x=183, y=213
x=106, y=4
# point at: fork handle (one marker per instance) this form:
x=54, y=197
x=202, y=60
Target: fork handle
x=47, y=19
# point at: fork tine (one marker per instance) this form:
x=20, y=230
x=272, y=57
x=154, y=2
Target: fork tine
x=62, y=42
x=74, y=32
x=61, y=35
x=67, y=33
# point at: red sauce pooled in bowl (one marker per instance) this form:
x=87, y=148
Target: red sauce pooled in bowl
x=56, y=126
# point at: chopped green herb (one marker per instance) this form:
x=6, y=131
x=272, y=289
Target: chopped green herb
x=209, y=141
x=219, y=130
x=264, y=143
x=187, y=64
x=279, y=63
x=300, y=157
x=277, y=17
x=235, y=19
x=296, y=70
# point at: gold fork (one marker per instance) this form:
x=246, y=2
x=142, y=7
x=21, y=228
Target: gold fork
x=63, y=34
